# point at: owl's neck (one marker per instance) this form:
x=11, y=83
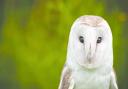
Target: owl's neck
x=76, y=67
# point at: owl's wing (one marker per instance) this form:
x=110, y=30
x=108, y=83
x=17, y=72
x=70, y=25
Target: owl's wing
x=66, y=80
x=113, y=84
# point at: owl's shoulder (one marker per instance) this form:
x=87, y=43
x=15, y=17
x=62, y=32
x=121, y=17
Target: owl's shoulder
x=65, y=78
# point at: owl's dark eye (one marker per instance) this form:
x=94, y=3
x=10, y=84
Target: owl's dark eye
x=81, y=39
x=99, y=39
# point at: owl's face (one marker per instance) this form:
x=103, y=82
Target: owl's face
x=90, y=45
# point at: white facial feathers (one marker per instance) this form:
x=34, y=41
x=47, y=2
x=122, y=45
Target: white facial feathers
x=96, y=48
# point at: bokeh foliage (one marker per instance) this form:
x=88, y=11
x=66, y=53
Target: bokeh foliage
x=34, y=36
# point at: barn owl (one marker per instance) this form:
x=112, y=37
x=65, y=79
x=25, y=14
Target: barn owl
x=89, y=63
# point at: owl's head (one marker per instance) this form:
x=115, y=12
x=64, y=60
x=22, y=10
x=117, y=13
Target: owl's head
x=90, y=42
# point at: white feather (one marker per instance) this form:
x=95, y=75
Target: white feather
x=91, y=62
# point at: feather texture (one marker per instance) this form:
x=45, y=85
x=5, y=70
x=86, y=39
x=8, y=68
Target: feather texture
x=66, y=81
x=89, y=63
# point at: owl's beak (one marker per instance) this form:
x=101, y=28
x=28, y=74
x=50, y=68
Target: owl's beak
x=90, y=48
x=91, y=53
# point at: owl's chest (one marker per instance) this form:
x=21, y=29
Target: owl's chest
x=84, y=80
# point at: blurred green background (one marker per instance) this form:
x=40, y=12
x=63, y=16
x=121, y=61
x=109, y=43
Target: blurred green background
x=34, y=36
